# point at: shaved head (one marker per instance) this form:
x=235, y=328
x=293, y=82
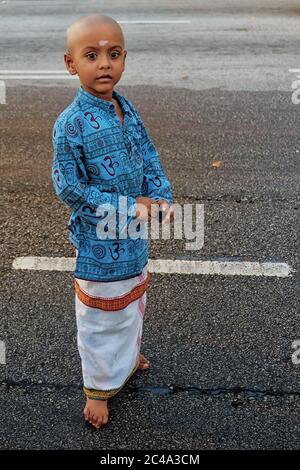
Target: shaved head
x=96, y=53
x=81, y=27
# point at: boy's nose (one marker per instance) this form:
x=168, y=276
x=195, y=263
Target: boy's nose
x=104, y=64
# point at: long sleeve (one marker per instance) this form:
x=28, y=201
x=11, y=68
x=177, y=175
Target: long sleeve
x=71, y=183
x=155, y=183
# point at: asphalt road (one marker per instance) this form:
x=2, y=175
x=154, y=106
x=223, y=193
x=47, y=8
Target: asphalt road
x=220, y=346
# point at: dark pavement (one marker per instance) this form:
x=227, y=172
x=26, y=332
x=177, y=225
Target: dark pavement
x=220, y=346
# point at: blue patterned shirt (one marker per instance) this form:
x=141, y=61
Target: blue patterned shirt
x=96, y=159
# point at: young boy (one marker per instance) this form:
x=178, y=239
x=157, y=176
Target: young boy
x=102, y=156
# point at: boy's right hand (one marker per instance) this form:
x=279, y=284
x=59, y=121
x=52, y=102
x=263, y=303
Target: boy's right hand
x=144, y=210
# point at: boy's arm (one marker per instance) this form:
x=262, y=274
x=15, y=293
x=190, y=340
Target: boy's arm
x=71, y=182
x=155, y=184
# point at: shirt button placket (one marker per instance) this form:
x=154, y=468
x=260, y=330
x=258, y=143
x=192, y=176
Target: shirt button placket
x=124, y=130
x=127, y=141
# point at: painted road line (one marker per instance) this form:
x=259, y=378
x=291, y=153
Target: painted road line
x=169, y=266
x=226, y=268
x=36, y=75
x=39, y=77
x=32, y=72
x=42, y=263
x=155, y=22
x=2, y=353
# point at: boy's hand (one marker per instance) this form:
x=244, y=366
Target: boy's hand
x=151, y=207
x=144, y=211
x=167, y=210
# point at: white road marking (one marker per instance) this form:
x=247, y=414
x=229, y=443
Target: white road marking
x=169, y=266
x=2, y=92
x=36, y=75
x=43, y=263
x=2, y=353
x=155, y=22
x=42, y=72
x=227, y=268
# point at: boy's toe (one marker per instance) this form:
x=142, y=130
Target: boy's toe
x=94, y=419
x=105, y=419
x=144, y=363
x=98, y=423
x=91, y=418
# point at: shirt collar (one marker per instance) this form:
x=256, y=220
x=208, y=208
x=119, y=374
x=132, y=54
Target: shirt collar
x=87, y=97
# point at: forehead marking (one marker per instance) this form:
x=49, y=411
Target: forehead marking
x=102, y=43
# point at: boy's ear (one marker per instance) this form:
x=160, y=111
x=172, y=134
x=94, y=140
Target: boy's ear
x=69, y=63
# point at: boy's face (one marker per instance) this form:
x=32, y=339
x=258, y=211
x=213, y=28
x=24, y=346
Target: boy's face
x=97, y=50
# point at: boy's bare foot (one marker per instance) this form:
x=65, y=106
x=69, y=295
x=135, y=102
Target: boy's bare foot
x=96, y=412
x=144, y=363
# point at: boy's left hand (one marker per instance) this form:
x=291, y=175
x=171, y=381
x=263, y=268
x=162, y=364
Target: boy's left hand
x=167, y=209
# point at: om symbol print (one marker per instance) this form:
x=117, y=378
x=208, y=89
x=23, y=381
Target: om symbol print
x=110, y=167
x=117, y=251
x=92, y=121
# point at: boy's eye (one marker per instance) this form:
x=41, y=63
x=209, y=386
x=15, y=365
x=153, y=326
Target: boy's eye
x=115, y=54
x=91, y=54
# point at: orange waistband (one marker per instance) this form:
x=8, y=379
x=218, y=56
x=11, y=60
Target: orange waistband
x=112, y=304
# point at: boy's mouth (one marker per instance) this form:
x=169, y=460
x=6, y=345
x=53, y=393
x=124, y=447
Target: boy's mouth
x=104, y=77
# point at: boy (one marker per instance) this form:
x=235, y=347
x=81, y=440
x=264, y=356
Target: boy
x=103, y=155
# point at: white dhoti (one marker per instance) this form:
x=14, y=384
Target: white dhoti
x=109, y=318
